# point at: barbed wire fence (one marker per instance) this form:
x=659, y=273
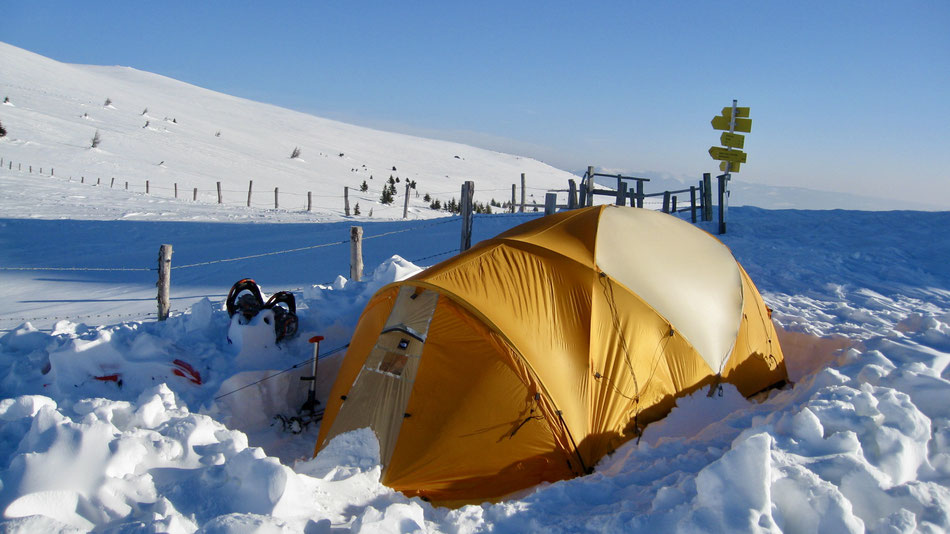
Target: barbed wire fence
x=253, y=197
x=525, y=209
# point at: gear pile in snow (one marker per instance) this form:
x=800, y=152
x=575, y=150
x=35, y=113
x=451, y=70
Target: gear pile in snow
x=245, y=298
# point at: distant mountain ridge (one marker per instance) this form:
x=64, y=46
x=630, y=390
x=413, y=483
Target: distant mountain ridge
x=744, y=193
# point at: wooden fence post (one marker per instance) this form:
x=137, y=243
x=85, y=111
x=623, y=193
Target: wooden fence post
x=356, y=253
x=31, y=169
x=309, y=200
x=589, y=199
x=673, y=205
x=723, y=200
x=275, y=198
x=513, y=188
x=219, y=193
x=522, y=194
x=639, y=193
x=692, y=203
x=195, y=196
x=571, y=194
x=82, y=179
x=405, y=206
x=112, y=183
x=250, y=186
x=52, y=172
x=550, y=203
x=468, y=193
x=621, y=192
x=98, y=181
x=346, y=201
x=126, y=186
x=176, y=189
x=164, y=280
x=146, y=187
x=666, y=202
x=707, y=196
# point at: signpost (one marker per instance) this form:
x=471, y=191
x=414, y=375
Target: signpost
x=733, y=119
x=727, y=155
x=732, y=140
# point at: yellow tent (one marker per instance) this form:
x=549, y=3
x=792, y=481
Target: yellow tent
x=532, y=355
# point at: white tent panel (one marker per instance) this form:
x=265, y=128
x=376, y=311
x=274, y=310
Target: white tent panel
x=668, y=263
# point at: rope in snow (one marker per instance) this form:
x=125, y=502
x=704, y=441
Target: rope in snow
x=296, y=365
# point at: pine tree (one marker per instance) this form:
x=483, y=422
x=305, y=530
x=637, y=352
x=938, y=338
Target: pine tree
x=364, y=187
x=387, y=197
x=356, y=209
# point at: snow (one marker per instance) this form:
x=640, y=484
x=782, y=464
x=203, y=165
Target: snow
x=860, y=442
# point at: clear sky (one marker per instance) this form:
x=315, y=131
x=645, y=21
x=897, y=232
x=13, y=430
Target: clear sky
x=845, y=95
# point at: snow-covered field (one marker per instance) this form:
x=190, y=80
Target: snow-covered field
x=859, y=442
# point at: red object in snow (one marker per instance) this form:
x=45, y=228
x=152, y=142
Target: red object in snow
x=108, y=378
x=193, y=376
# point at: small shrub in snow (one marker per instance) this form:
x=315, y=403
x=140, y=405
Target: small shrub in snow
x=295, y=153
x=144, y=111
x=108, y=102
x=218, y=133
x=96, y=139
x=3, y=132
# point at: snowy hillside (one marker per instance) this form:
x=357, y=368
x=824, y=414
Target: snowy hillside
x=114, y=422
x=168, y=132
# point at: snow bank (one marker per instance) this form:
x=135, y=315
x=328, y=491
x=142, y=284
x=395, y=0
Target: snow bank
x=859, y=443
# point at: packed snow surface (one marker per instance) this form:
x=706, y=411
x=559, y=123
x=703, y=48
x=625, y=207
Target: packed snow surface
x=112, y=421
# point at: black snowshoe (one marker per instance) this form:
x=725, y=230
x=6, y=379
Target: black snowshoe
x=245, y=298
x=285, y=314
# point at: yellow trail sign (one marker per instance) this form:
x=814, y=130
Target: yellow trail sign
x=732, y=140
x=735, y=167
x=720, y=122
x=740, y=112
x=725, y=154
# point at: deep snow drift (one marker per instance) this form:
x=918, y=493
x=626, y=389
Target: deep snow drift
x=861, y=442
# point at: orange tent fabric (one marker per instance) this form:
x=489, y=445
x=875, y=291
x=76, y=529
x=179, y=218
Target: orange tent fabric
x=534, y=354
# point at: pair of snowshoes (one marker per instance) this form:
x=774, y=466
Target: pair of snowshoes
x=245, y=298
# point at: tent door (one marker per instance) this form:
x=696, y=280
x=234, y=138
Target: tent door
x=380, y=393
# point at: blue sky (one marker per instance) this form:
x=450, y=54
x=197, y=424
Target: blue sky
x=845, y=96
